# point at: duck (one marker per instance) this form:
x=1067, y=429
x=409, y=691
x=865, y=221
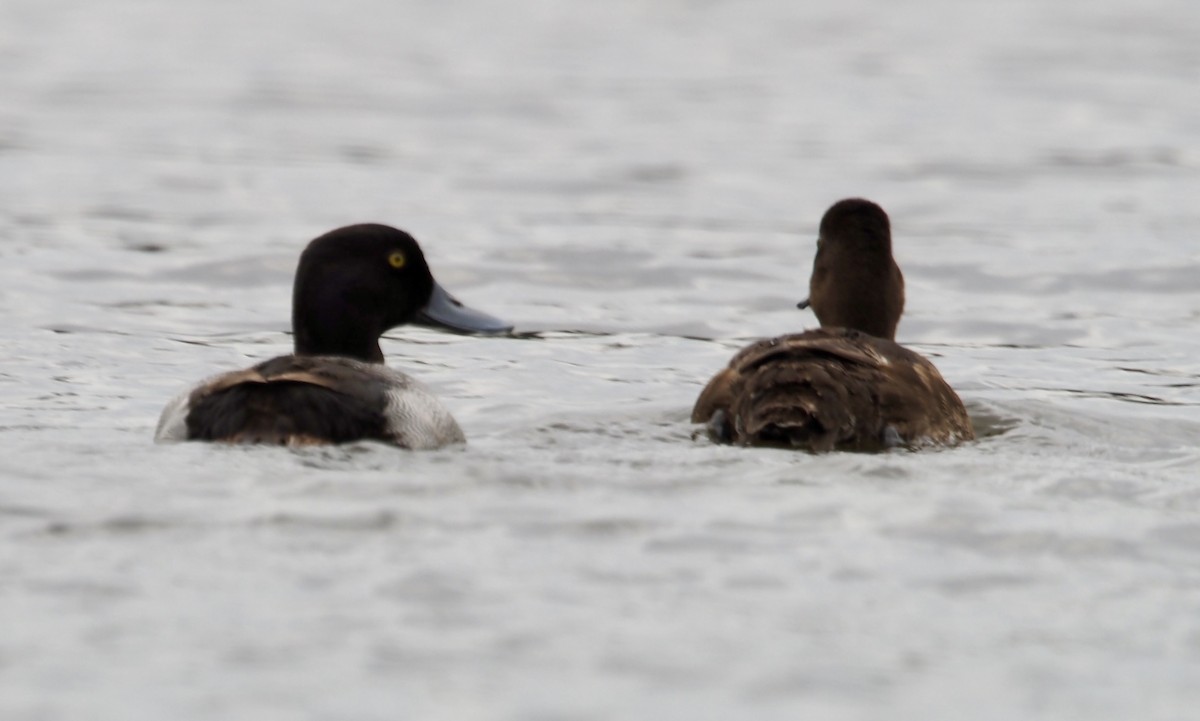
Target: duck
x=846, y=385
x=351, y=285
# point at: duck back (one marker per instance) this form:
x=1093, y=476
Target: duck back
x=308, y=400
x=831, y=388
x=285, y=412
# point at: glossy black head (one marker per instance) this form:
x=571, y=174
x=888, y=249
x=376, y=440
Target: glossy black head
x=353, y=284
x=855, y=281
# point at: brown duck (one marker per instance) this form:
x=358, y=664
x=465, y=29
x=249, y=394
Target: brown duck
x=847, y=385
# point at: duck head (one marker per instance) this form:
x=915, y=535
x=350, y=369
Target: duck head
x=855, y=281
x=355, y=283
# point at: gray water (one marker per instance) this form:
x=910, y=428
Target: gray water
x=637, y=186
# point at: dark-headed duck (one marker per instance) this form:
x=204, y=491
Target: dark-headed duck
x=847, y=385
x=352, y=285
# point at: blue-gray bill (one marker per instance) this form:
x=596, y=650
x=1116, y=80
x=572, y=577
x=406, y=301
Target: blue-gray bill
x=445, y=311
x=803, y=304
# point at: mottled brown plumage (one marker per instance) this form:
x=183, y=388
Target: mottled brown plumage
x=831, y=388
x=292, y=400
x=847, y=385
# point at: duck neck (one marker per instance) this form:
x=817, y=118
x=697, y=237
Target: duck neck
x=326, y=331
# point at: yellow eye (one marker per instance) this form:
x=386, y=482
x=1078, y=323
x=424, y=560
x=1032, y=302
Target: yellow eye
x=397, y=259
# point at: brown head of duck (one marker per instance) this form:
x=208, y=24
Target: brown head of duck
x=847, y=385
x=855, y=281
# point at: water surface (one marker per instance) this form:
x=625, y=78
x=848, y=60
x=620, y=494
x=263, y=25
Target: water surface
x=636, y=185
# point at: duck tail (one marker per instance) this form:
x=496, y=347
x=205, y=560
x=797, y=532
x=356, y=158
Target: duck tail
x=793, y=402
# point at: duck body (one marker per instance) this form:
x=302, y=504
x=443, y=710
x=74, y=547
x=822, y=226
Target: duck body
x=311, y=400
x=352, y=284
x=847, y=385
x=831, y=389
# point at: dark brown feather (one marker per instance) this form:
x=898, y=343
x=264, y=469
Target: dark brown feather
x=831, y=389
x=290, y=400
x=848, y=385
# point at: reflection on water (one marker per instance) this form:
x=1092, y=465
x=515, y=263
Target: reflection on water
x=989, y=421
x=638, y=186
